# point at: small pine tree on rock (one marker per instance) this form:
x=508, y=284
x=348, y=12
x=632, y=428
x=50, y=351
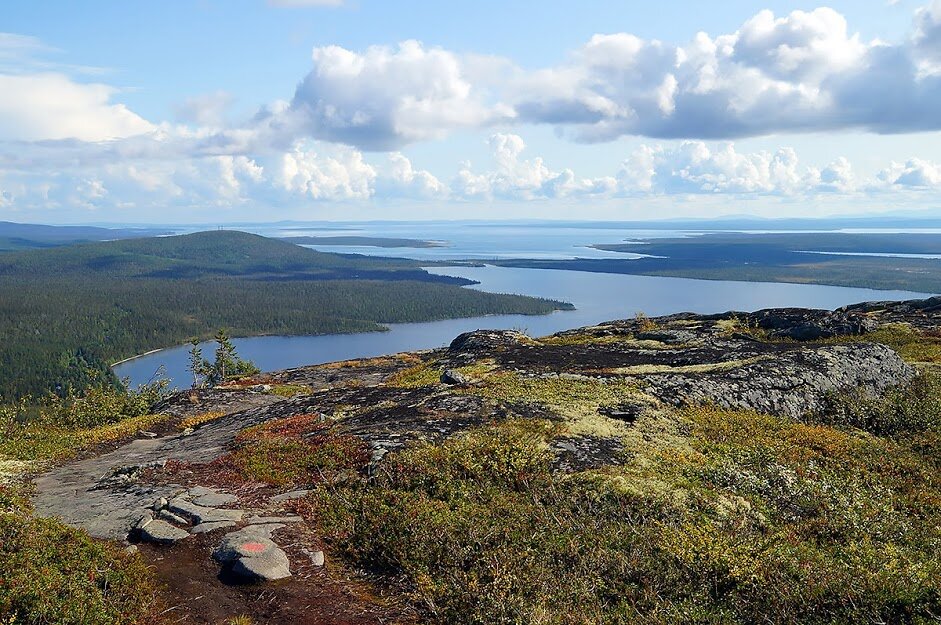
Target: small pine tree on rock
x=226, y=364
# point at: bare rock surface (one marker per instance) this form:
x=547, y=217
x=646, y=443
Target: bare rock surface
x=84, y=494
x=212, y=526
x=160, y=532
x=202, y=514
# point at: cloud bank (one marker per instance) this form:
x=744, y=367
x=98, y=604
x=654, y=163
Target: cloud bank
x=802, y=72
x=68, y=142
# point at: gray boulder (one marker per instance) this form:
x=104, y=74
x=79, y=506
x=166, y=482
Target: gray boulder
x=453, y=378
x=252, y=556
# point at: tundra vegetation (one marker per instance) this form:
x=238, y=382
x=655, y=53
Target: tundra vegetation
x=738, y=518
x=50, y=572
x=708, y=515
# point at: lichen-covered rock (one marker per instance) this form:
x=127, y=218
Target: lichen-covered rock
x=793, y=383
x=801, y=324
x=480, y=341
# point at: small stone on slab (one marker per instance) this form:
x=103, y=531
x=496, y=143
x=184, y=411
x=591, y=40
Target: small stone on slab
x=162, y=533
x=212, y=526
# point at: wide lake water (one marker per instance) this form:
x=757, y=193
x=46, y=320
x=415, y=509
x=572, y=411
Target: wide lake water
x=597, y=297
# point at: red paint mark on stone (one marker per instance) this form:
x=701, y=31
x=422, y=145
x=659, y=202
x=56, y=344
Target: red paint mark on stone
x=253, y=547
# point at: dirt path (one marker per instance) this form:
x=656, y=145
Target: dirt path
x=99, y=494
x=195, y=593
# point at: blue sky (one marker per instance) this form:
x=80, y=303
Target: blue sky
x=214, y=111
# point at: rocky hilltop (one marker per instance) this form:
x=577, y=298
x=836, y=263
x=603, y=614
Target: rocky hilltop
x=253, y=480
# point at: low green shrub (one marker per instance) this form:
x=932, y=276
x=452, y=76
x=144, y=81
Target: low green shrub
x=912, y=407
x=102, y=405
x=59, y=427
x=296, y=450
x=51, y=573
x=768, y=520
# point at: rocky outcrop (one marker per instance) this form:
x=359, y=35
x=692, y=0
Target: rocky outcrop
x=920, y=313
x=793, y=383
x=471, y=345
x=801, y=324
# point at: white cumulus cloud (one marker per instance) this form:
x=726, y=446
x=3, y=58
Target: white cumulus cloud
x=915, y=172
x=384, y=98
x=52, y=106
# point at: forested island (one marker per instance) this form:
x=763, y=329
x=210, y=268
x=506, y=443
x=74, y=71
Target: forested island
x=865, y=260
x=69, y=312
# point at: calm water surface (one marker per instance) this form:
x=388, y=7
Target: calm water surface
x=597, y=297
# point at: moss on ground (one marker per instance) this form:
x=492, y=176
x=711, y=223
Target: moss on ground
x=418, y=375
x=290, y=390
x=576, y=400
x=201, y=418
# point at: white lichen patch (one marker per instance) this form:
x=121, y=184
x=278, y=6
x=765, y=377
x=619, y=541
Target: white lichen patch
x=709, y=367
x=12, y=469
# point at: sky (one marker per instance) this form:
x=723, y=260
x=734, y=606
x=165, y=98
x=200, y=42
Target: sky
x=220, y=111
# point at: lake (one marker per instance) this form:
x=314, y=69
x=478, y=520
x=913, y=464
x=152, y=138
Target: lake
x=598, y=297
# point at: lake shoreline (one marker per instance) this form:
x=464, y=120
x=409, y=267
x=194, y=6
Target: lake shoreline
x=597, y=298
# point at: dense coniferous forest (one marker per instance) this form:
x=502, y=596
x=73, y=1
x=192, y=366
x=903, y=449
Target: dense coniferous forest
x=67, y=313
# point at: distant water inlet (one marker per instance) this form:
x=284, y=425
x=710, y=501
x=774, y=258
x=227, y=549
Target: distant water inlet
x=597, y=297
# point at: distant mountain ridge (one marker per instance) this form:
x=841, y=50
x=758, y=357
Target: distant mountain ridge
x=20, y=236
x=216, y=253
